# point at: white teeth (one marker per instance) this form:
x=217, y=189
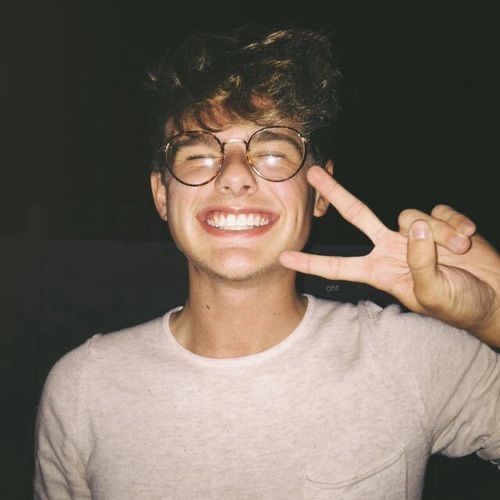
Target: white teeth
x=236, y=228
x=233, y=222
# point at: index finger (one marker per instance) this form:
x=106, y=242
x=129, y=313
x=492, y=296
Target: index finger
x=326, y=266
x=351, y=208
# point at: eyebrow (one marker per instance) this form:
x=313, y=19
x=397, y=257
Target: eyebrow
x=190, y=139
x=266, y=135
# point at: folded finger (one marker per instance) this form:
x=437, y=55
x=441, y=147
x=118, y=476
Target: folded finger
x=455, y=219
x=443, y=233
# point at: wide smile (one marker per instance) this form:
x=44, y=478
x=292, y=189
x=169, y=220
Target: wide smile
x=237, y=222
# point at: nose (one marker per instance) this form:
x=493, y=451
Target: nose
x=236, y=175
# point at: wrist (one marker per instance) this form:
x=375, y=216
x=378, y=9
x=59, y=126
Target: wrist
x=489, y=330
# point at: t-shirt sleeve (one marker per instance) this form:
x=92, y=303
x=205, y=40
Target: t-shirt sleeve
x=59, y=460
x=455, y=376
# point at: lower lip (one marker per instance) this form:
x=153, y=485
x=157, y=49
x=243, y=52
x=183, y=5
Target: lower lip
x=245, y=233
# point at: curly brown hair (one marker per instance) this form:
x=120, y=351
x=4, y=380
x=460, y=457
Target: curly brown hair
x=258, y=77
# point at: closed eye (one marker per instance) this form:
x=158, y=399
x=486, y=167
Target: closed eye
x=201, y=157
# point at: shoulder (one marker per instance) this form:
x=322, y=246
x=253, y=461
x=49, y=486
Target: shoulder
x=127, y=341
x=389, y=321
x=416, y=336
x=390, y=331
x=362, y=316
x=102, y=352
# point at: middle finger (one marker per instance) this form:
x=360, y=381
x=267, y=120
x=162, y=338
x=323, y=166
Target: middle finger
x=350, y=208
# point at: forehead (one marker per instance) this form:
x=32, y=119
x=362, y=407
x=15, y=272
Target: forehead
x=240, y=129
x=221, y=121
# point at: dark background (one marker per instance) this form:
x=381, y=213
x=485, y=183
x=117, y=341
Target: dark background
x=419, y=124
x=82, y=249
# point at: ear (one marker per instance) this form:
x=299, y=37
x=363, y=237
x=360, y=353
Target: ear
x=159, y=191
x=320, y=202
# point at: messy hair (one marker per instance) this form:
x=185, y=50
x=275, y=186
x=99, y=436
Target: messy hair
x=284, y=74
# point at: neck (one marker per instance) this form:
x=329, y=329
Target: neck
x=223, y=319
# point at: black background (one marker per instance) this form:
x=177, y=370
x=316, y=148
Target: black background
x=419, y=124
x=79, y=232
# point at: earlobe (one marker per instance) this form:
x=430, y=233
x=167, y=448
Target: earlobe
x=159, y=192
x=320, y=202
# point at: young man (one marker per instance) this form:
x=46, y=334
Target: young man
x=251, y=390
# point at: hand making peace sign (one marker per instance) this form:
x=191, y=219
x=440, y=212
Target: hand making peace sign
x=436, y=265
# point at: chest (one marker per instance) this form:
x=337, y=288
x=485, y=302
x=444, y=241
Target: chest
x=257, y=435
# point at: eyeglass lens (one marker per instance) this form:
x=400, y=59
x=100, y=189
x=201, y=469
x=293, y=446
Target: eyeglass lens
x=276, y=153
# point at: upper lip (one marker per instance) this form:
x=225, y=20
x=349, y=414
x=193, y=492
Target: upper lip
x=203, y=214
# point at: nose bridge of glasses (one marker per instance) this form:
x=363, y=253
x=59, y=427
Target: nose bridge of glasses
x=224, y=159
x=233, y=141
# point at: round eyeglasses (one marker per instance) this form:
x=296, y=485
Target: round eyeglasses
x=274, y=153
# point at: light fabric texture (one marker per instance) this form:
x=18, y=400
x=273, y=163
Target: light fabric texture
x=350, y=405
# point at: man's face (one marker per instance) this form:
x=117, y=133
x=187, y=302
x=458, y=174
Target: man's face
x=275, y=216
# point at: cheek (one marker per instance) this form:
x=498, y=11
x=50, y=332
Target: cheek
x=179, y=201
x=297, y=198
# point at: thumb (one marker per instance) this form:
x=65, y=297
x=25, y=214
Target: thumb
x=422, y=261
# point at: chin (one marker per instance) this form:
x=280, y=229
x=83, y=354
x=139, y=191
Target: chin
x=239, y=272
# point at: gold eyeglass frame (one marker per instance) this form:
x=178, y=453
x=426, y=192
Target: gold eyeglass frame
x=164, y=149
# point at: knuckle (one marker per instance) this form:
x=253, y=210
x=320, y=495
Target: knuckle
x=353, y=210
x=308, y=264
x=428, y=297
x=440, y=211
x=456, y=218
x=334, y=268
x=441, y=207
x=329, y=191
x=442, y=232
x=418, y=264
x=407, y=216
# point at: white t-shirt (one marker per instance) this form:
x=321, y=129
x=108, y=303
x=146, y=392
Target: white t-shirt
x=350, y=405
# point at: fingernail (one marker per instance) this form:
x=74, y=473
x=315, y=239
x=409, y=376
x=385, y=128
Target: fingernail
x=419, y=230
